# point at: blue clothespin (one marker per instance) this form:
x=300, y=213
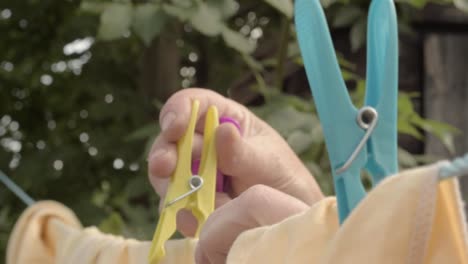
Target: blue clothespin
x=356, y=140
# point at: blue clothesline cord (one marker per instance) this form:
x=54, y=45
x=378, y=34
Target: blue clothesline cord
x=16, y=189
x=458, y=167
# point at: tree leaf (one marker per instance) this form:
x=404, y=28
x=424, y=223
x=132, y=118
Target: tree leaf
x=301, y=104
x=286, y=119
x=444, y=132
x=406, y=159
x=148, y=21
x=183, y=14
x=93, y=7
x=347, y=75
x=284, y=6
x=327, y=3
x=113, y=224
x=183, y=3
x=461, y=4
x=405, y=106
x=415, y=3
x=136, y=187
x=299, y=141
x=237, y=41
x=449, y=143
x=347, y=15
x=358, y=34
x=406, y=127
x=207, y=20
x=435, y=127
x=228, y=8
x=115, y=21
x=344, y=62
x=252, y=62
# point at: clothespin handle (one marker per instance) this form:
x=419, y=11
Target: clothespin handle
x=222, y=181
x=188, y=191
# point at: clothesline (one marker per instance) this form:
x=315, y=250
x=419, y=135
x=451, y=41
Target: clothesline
x=16, y=189
x=457, y=168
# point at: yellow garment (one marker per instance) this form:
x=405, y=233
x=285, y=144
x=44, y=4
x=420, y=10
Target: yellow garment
x=408, y=218
x=49, y=233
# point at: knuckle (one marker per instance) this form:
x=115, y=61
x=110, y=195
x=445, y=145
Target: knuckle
x=257, y=197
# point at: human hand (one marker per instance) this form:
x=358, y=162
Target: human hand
x=259, y=205
x=258, y=156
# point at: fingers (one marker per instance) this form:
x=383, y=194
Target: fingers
x=175, y=115
x=187, y=223
x=257, y=206
x=174, y=118
x=233, y=151
x=264, y=158
x=261, y=159
x=163, y=160
x=161, y=164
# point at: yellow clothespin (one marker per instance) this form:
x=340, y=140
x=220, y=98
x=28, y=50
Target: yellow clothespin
x=193, y=192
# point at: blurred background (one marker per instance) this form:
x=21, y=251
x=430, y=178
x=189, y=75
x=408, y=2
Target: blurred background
x=81, y=84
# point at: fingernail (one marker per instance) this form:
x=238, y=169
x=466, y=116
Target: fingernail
x=167, y=120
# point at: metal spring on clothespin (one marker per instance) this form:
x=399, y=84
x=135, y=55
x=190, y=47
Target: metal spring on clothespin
x=367, y=119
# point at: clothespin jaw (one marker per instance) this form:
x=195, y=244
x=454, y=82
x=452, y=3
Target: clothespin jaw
x=187, y=191
x=204, y=200
x=382, y=87
x=338, y=116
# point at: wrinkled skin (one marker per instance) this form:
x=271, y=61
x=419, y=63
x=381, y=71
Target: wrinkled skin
x=268, y=182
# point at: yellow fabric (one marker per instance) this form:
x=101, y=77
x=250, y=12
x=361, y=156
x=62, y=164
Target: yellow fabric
x=49, y=233
x=408, y=218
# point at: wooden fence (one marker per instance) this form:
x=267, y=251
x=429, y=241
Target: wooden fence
x=444, y=36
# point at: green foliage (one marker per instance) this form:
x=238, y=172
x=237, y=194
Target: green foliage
x=113, y=224
x=284, y=6
x=66, y=112
x=358, y=33
x=353, y=14
x=148, y=19
x=303, y=132
x=237, y=41
x=410, y=123
x=347, y=15
x=76, y=123
x=461, y=4
x=115, y=21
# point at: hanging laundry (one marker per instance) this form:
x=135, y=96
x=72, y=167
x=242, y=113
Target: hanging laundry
x=50, y=233
x=410, y=217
